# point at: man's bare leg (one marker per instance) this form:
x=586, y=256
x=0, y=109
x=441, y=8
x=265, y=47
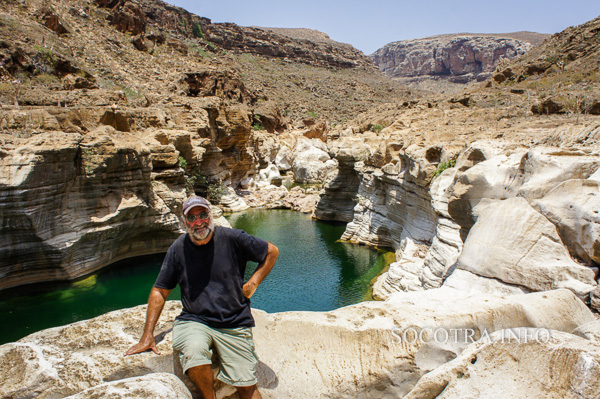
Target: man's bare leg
x=250, y=392
x=202, y=377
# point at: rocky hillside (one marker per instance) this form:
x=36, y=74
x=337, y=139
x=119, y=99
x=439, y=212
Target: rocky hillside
x=562, y=75
x=83, y=52
x=458, y=58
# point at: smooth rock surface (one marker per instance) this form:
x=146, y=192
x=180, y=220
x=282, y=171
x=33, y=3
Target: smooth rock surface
x=515, y=244
x=574, y=207
x=514, y=364
x=350, y=352
x=154, y=385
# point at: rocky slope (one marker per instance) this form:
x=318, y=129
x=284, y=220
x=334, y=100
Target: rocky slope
x=459, y=58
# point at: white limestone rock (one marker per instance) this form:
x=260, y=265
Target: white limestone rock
x=67, y=360
x=447, y=244
x=574, y=207
x=284, y=158
x=350, y=352
x=155, y=385
x=268, y=175
x=529, y=174
x=232, y=202
x=312, y=163
x=522, y=363
x=589, y=331
x=466, y=281
x=404, y=274
x=517, y=245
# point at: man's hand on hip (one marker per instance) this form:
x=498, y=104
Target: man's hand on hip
x=249, y=289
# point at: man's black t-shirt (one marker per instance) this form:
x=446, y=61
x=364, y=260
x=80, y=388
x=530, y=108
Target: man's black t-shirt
x=211, y=276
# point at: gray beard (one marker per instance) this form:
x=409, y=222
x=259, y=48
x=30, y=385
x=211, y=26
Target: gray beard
x=200, y=233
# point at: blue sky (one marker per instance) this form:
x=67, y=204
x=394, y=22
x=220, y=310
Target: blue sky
x=369, y=25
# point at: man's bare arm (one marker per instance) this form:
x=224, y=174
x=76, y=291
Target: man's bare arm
x=262, y=270
x=156, y=302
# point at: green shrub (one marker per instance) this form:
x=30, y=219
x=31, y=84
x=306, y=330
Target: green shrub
x=312, y=114
x=197, y=30
x=442, y=167
x=377, y=128
x=182, y=162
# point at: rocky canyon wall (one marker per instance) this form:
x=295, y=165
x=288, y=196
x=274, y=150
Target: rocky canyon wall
x=459, y=58
x=75, y=199
x=492, y=215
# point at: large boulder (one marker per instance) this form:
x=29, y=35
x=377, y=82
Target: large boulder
x=519, y=363
x=312, y=163
x=529, y=174
x=515, y=244
x=574, y=207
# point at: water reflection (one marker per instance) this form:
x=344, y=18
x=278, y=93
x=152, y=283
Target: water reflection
x=314, y=272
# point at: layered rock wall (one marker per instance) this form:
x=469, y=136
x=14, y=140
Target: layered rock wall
x=90, y=186
x=461, y=58
x=500, y=216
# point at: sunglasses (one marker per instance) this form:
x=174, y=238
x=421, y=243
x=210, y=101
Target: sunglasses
x=201, y=216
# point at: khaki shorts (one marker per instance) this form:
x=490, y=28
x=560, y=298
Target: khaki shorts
x=234, y=346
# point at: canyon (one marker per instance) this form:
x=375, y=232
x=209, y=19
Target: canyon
x=489, y=197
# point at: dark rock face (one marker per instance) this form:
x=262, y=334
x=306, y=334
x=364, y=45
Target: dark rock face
x=125, y=16
x=267, y=43
x=52, y=21
x=548, y=106
x=451, y=56
x=221, y=83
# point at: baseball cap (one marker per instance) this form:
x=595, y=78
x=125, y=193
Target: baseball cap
x=194, y=201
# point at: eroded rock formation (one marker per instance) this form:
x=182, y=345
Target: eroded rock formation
x=111, y=186
x=459, y=58
x=365, y=350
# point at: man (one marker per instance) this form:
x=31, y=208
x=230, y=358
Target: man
x=209, y=264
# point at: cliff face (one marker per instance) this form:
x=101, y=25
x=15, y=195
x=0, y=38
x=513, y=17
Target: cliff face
x=111, y=187
x=458, y=58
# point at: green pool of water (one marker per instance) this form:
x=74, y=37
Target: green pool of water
x=313, y=272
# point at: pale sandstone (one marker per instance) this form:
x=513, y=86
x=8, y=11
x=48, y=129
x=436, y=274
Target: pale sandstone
x=312, y=163
x=154, y=385
x=348, y=352
x=589, y=331
x=515, y=244
x=466, y=281
x=574, y=207
x=514, y=364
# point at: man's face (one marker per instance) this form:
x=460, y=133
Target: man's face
x=198, y=223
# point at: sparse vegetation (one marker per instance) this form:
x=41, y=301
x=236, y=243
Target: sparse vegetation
x=377, y=128
x=197, y=30
x=182, y=162
x=442, y=167
x=198, y=182
x=256, y=124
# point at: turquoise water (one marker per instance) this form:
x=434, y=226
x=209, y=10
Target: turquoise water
x=313, y=272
